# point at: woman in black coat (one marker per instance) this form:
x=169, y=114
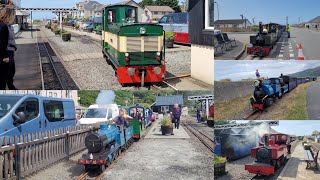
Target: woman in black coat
x=7, y=16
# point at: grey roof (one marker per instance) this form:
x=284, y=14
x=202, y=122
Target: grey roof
x=315, y=20
x=169, y=100
x=159, y=8
x=22, y=13
x=91, y=5
x=231, y=21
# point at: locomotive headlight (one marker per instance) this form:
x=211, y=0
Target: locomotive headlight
x=157, y=70
x=126, y=54
x=131, y=71
x=158, y=53
x=143, y=30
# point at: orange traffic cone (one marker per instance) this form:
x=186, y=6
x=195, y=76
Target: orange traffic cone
x=300, y=53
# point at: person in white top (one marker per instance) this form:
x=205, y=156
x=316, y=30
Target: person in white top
x=145, y=18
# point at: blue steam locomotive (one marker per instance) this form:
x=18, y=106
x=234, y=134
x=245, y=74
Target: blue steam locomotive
x=267, y=91
x=105, y=146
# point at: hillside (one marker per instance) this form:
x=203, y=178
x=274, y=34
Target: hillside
x=308, y=72
x=145, y=98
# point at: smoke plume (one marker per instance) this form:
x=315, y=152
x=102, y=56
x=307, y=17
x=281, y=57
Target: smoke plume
x=106, y=97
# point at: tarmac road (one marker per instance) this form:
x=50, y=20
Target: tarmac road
x=313, y=101
x=310, y=40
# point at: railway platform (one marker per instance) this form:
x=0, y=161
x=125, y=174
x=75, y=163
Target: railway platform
x=27, y=61
x=155, y=133
x=296, y=167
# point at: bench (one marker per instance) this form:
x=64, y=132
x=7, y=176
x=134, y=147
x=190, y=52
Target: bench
x=221, y=41
x=229, y=40
x=217, y=45
x=311, y=157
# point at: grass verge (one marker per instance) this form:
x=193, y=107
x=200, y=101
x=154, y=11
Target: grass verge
x=228, y=109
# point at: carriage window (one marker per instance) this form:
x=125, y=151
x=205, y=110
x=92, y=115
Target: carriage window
x=53, y=110
x=112, y=16
x=30, y=107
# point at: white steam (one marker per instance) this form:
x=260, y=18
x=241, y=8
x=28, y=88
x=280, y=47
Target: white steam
x=106, y=97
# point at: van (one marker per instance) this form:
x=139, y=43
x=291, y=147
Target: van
x=99, y=113
x=177, y=23
x=24, y=114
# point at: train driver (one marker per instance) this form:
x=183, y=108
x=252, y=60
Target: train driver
x=145, y=18
x=122, y=119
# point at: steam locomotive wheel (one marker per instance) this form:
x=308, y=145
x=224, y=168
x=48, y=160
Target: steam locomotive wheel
x=102, y=168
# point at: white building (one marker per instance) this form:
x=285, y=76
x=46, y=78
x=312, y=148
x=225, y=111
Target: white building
x=156, y=12
x=87, y=8
x=233, y=23
x=67, y=94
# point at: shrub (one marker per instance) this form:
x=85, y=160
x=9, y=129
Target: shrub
x=170, y=35
x=166, y=121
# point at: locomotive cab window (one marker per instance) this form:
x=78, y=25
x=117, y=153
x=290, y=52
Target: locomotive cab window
x=112, y=16
x=131, y=16
x=30, y=108
x=53, y=110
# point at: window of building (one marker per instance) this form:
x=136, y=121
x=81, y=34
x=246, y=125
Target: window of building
x=50, y=94
x=53, y=110
x=30, y=107
x=163, y=13
x=55, y=95
x=209, y=11
x=155, y=13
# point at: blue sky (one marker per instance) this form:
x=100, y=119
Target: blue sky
x=298, y=128
x=238, y=70
x=57, y=4
x=270, y=10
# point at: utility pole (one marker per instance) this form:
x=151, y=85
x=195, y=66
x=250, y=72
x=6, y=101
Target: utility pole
x=287, y=19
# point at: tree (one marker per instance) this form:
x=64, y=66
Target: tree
x=174, y=4
x=146, y=3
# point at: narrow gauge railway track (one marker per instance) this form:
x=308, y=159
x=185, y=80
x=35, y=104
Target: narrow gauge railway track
x=205, y=140
x=50, y=77
x=254, y=116
x=54, y=75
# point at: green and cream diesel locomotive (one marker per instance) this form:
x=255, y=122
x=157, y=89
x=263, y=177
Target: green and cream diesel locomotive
x=135, y=50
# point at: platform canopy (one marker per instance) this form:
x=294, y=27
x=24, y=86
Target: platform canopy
x=22, y=13
x=246, y=125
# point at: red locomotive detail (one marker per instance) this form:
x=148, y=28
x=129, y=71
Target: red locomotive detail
x=270, y=155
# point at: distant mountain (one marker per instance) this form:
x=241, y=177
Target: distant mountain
x=308, y=72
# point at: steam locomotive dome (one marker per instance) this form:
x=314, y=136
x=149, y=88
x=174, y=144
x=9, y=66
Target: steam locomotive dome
x=260, y=40
x=262, y=154
x=95, y=142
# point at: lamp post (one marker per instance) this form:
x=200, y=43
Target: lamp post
x=217, y=9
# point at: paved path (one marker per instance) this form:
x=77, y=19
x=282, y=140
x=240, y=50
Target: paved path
x=295, y=168
x=28, y=74
x=313, y=101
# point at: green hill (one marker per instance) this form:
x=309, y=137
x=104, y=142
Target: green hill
x=308, y=72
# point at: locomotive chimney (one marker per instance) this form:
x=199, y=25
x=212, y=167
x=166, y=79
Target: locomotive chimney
x=260, y=27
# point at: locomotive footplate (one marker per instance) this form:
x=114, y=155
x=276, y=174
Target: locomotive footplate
x=260, y=169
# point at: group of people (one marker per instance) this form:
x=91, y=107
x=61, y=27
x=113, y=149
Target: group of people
x=7, y=47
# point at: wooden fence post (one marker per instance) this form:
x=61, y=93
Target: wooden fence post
x=68, y=145
x=18, y=165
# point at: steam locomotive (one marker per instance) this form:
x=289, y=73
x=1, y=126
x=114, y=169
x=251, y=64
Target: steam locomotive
x=267, y=91
x=262, y=43
x=270, y=155
x=105, y=146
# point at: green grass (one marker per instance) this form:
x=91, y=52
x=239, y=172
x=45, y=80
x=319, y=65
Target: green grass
x=298, y=108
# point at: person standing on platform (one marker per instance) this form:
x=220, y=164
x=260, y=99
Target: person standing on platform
x=145, y=18
x=176, y=113
x=257, y=74
x=199, y=115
